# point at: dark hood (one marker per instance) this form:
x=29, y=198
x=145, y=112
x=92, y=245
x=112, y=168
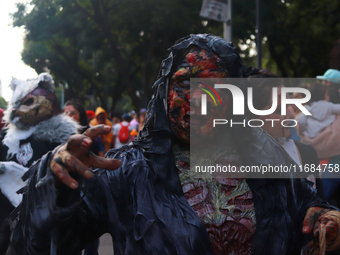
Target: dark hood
x=156, y=117
x=156, y=136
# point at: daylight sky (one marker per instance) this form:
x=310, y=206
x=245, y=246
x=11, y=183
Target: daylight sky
x=11, y=45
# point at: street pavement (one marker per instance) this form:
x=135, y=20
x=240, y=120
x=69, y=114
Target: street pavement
x=105, y=245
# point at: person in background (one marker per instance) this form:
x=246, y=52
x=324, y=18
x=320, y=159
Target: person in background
x=116, y=117
x=116, y=131
x=142, y=113
x=323, y=113
x=302, y=154
x=134, y=122
x=322, y=130
x=75, y=110
x=331, y=79
x=101, y=118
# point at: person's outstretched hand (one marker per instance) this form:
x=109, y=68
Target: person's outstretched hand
x=319, y=220
x=74, y=156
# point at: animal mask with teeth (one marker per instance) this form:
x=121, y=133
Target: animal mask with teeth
x=32, y=102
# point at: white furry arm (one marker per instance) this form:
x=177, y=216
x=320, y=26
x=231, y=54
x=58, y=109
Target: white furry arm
x=10, y=181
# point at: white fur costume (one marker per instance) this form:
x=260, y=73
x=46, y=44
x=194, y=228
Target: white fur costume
x=52, y=131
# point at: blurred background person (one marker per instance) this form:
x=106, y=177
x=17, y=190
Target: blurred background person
x=302, y=154
x=331, y=79
x=142, y=113
x=101, y=118
x=323, y=113
x=115, y=117
x=121, y=131
x=322, y=130
x=134, y=121
x=74, y=109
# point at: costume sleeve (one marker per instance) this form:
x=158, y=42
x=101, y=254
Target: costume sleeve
x=309, y=157
x=59, y=221
x=281, y=203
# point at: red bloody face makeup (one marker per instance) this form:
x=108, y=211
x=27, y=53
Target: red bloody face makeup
x=198, y=63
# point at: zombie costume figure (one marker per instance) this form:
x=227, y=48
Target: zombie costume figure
x=35, y=126
x=150, y=204
x=101, y=118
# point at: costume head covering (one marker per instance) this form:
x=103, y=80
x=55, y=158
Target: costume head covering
x=256, y=146
x=43, y=85
x=156, y=117
x=156, y=136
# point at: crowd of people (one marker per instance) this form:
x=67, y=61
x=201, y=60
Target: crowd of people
x=142, y=191
x=134, y=122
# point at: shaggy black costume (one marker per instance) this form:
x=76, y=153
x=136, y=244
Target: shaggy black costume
x=142, y=204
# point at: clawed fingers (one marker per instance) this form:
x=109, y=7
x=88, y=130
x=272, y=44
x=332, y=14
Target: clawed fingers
x=97, y=130
x=76, y=157
x=311, y=218
x=331, y=231
x=63, y=163
x=78, y=144
x=106, y=163
x=316, y=229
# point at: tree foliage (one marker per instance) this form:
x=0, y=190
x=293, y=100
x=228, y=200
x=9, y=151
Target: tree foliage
x=299, y=33
x=108, y=48
x=3, y=103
